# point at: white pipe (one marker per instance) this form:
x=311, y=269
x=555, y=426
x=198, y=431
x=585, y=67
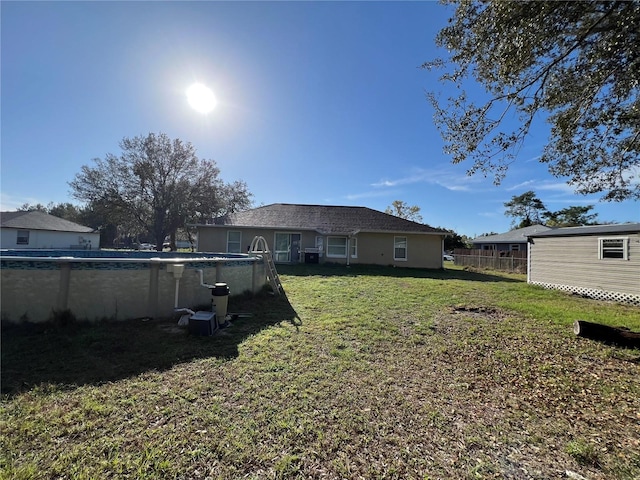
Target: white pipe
x=202, y=284
x=177, y=270
x=185, y=315
x=348, y=249
x=175, y=303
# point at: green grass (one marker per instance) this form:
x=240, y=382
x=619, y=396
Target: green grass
x=361, y=372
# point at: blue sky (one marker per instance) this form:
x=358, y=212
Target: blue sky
x=318, y=103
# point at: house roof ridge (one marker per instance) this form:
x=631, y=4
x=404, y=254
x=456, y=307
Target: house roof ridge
x=326, y=219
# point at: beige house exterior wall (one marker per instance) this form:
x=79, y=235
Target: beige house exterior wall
x=423, y=250
x=214, y=239
x=572, y=264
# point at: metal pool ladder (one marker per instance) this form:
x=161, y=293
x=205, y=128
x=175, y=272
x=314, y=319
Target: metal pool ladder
x=259, y=247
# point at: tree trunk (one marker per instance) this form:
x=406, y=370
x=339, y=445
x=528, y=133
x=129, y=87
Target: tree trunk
x=603, y=333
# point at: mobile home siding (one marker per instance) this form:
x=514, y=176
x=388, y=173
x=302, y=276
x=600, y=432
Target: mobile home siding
x=571, y=263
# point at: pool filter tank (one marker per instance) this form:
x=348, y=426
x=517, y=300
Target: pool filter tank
x=220, y=300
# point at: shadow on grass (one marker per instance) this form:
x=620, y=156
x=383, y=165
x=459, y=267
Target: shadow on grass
x=79, y=353
x=388, y=271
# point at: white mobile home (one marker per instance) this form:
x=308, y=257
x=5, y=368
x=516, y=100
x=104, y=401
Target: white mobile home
x=598, y=261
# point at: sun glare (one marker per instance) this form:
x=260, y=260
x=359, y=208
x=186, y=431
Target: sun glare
x=201, y=98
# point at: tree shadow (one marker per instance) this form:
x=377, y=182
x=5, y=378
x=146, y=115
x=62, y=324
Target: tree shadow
x=304, y=269
x=81, y=353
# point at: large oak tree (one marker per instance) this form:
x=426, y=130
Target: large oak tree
x=157, y=185
x=575, y=63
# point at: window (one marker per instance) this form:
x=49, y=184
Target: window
x=234, y=242
x=287, y=247
x=337, y=247
x=613, y=248
x=515, y=247
x=354, y=247
x=23, y=237
x=399, y=248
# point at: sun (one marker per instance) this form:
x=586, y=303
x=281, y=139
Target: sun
x=201, y=98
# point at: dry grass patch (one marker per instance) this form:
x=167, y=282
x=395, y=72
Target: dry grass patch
x=366, y=373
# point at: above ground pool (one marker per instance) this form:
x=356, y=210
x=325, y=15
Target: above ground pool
x=117, y=285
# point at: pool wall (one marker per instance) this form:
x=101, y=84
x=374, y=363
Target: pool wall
x=116, y=285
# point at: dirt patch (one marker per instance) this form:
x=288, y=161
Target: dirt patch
x=480, y=312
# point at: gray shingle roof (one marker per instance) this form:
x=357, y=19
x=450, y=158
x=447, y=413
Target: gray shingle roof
x=325, y=219
x=591, y=230
x=40, y=221
x=514, y=236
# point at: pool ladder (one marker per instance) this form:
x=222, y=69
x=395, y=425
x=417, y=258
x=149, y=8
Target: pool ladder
x=259, y=247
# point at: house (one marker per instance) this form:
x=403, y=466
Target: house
x=320, y=233
x=598, y=261
x=37, y=230
x=515, y=240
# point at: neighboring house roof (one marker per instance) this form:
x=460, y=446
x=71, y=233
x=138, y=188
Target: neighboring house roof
x=40, y=221
x=514, y=236
x=591, y=230
x=325, y=219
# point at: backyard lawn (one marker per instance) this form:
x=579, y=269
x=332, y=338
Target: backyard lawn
x=361, y=372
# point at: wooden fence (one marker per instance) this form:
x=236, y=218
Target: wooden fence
x=510, y=261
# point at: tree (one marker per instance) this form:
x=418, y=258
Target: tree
x=527, y=208
x=455, y=240
x=156, y=185
x=400, y=209
x=67, y=211
x=38, y=207
x=577, y=62
x=571, y=217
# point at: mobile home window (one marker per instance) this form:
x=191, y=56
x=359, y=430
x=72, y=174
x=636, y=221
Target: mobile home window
x=399, y=248
x=337, y=247
x=613, y=248
x=23, y=237
x=234, y=242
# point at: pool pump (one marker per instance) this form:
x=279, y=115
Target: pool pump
x=204, y=322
